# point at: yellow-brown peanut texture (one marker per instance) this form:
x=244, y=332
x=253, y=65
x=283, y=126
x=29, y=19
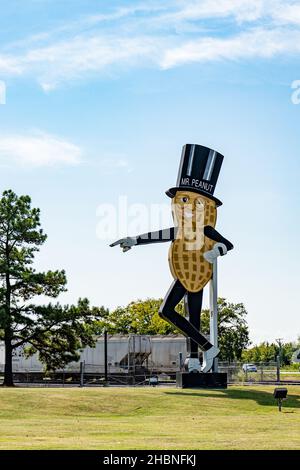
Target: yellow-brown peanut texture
x=191, y=213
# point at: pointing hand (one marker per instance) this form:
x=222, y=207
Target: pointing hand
x=125, y=243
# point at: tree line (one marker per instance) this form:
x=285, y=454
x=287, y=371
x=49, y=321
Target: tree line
x=59, y=332
x=267, y=352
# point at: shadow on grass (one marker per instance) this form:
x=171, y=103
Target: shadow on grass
x=263, y=398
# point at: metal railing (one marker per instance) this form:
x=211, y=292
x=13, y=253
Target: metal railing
x=94, y=374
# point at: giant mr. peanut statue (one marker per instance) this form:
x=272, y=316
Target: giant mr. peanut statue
x=194, y=248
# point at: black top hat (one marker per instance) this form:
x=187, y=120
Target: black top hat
x=198, y=171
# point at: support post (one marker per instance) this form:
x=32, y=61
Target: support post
x=180, y=361
x=128, y=356
x=105, y=357
x=82, y=364
x=213, y=307
x=278, y=368
x=133, y=361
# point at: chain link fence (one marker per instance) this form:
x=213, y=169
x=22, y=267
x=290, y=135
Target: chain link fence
x=251, y=373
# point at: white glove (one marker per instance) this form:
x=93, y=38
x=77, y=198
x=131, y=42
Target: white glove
x=219, y=249
x=125, y=243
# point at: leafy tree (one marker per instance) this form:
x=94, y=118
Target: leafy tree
x=287, y=353
x=232, y=328
x=56, y=332
x=296, y=344
x=65, y=331
x=267, y=352
x=141, y=317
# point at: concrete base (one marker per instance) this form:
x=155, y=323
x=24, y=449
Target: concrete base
x=199, y=380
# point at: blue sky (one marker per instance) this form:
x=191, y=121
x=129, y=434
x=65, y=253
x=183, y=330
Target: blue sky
x=100, y=98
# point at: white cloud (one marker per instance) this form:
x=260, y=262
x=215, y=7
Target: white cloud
x=255, y=43
x=10, y=65
x=287, y=14
x=242, y=10
x=38, y=150
x=150, y=34
x=72, y=59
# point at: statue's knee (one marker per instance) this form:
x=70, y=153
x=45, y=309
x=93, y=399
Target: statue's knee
x=162, y=312
x=165, y=313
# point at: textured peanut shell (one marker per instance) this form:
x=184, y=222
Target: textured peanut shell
x=186, y=264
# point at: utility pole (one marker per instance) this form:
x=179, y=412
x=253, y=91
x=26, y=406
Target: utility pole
x=279, y=359
x=279, y=341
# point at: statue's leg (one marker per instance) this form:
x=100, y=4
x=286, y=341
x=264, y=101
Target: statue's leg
x=167, y=312
x=193, y=306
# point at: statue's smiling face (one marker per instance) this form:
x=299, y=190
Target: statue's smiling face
x=190, y=211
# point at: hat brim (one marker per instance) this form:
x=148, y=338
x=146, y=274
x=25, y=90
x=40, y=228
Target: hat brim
x=172, y=191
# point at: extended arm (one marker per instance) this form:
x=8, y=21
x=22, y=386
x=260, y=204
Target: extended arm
x=220, y=248
x=212, y=233
x=165, y=235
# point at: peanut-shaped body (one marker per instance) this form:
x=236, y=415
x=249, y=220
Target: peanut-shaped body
x=192, y=212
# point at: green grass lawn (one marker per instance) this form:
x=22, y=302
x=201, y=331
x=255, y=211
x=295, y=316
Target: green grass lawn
x=148, y=418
